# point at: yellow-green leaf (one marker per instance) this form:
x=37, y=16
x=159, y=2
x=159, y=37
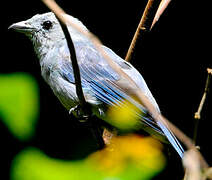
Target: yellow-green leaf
x=126, y=158
x=19, y=103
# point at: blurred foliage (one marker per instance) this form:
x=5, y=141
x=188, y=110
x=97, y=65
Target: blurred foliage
x=19, y=103
x=126, y=158
x=124, y=116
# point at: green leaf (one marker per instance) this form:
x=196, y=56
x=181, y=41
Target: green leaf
x=19, y=104
x=34, y=165
x=127, y=158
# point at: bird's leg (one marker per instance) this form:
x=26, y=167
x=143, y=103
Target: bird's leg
x=97, y=131
x=88, y=120
x=79, y=114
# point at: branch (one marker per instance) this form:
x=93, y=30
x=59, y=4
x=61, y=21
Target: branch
x=144, y=25
x=163, y=5
x=192, y=166
x=197, y=115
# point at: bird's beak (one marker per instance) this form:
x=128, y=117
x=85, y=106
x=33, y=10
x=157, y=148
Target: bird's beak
x=22, y=27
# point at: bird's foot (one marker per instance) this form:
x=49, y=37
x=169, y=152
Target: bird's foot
x=84, y=117
x=79, y=113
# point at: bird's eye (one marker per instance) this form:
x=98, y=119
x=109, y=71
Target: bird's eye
x=47, y=25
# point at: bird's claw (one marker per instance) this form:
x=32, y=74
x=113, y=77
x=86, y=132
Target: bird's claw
x=78, y=113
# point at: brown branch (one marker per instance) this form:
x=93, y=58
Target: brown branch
x=108, y=135
x=192, y=166
x=197, y=115
x=163, y=5
x=144, y=25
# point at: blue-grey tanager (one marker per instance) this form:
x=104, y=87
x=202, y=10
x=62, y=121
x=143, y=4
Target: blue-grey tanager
x=98, y=78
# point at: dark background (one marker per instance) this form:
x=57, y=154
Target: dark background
x=173, y=59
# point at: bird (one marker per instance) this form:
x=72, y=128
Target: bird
x=98, y=78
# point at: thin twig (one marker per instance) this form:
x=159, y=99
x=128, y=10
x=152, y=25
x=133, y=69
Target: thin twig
x=197, y=115
x=144, y=24
x=163, y=5
x=125, y=78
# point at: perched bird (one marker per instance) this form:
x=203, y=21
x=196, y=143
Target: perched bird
x=98, y=78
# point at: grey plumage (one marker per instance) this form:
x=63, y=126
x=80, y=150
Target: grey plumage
x=98, y=78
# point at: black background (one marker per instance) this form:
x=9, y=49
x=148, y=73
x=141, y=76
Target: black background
x=173, y=59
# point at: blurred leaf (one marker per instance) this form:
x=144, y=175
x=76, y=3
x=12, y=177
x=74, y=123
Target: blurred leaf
x=32, y=164
x=126, y=158
x=124, y=116
x=130, y=157
x=19, y=103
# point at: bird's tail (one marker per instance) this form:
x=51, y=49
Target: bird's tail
x=172, y=139
x=159, y=130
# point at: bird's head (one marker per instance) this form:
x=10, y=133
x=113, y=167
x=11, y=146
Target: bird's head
x=44, y=29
